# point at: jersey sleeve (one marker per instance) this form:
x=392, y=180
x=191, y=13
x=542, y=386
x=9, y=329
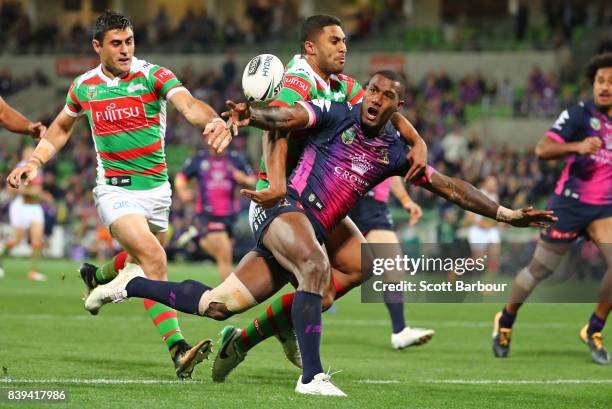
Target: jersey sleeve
x=567, y=126
x=323, y=113
x=190, y=168
x=296, y=87
x=354, y=91
x=73, y=107
x=165, y=84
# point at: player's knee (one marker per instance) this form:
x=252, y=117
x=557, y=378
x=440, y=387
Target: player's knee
x=314, y=266
x=228, y=298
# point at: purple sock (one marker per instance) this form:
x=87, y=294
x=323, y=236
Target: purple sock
x=506, y=320
x=306, y=313
x=596, y=324
x=184, y=296
x=394, y=300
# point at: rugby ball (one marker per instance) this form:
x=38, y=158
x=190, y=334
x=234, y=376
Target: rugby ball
x=262, y=78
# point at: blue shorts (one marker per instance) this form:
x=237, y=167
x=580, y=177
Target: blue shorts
x=208, y=223
x=371, y=214
x=260, y=219
x=574, y=218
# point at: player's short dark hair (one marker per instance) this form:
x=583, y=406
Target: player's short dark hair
x=314, y=24
x=599, y=61
x=110, y=20
x=395, y=77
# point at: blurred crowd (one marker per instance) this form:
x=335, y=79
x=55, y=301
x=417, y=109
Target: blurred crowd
x=274, y=21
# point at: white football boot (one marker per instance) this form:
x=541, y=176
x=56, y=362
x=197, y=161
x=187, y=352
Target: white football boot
x=320, y=385
x=113, y=291
x=411, y=336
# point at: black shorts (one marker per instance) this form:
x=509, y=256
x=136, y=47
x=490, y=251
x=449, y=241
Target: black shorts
x=208, y=223
x=574, y=218
x=371, y=214
x=260, y=219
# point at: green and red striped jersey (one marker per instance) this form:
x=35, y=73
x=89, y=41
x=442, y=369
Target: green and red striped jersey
x=127, y=117
x=302, y=83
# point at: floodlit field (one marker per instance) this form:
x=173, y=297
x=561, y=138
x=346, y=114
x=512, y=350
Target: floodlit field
x=116, y=360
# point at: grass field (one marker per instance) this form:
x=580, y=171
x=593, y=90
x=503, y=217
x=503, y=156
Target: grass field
x=116, y=360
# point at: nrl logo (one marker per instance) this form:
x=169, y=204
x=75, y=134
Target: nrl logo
x=595, y=124
x=348, y=136
x=92, y=92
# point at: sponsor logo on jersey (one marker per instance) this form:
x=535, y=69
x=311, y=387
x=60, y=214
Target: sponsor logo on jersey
x=562, y=235
x=348, y=136
x=358, y=184
x=164, y=74
x=314, y=200
x=595, y=124
x=297, y=84
x=117, y=115
x=360, y=164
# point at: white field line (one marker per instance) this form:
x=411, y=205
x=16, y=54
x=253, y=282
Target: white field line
x=77, y=381
x=327, y=319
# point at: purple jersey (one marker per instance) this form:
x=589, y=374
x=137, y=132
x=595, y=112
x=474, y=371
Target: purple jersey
x=340, y=163
x=586, y=178
x=216, y=191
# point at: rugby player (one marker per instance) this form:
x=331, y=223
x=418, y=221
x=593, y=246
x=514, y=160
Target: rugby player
x=582, y=200
x=124, y=100
x=216, y=204
x=328, y=181
x=316, y=73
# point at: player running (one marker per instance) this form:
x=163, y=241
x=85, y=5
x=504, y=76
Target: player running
x=14, y=121
x=372, y=217
x=328, y=181
x=124, y=100
x=582, y=200
x=216, y=204
x=27, y=218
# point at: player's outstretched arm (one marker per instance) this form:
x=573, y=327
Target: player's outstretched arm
x=14, y=121
x=418, y=154
x=202, y=115
x=469, y=198
x=548, y=148
x=54, y=139
x=270, y=118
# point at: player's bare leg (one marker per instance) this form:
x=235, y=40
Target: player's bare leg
x=219, y=245
x=600, y=231
x=546, y=259
x=37, y=231
x=17, y=236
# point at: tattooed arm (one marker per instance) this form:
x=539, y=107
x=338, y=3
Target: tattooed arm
x=268, y=118
x=469, y=198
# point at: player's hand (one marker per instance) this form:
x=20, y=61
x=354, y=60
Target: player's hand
x=36, y=130
x=414, y=210
x=589, y=146
x=529, y=217
x=266, y=198
x=218, y=134
x=417, y=157
x=26, y=172
x=239, y=115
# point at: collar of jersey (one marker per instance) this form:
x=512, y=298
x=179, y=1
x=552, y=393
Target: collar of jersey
x=114, y=81
x=302, y=63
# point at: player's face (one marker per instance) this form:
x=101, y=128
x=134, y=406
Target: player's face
x=602, y=87
x=381, y=100
x=329, y=49
x=116, y=50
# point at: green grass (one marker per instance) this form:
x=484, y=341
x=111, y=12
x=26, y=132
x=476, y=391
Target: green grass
x=45, y=334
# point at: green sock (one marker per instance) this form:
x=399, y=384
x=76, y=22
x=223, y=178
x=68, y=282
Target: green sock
x=164, y=318
x=276, y=319
x=107, y=271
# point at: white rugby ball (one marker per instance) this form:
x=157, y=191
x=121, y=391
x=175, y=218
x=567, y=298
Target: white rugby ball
x=262, y=78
